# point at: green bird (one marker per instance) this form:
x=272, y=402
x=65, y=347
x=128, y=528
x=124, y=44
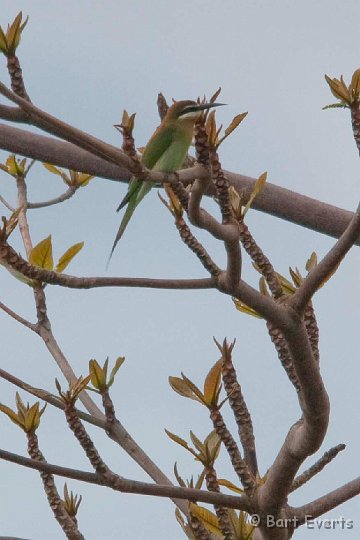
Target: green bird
x=165, y=152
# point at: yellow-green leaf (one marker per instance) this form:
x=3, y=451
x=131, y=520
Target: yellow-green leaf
x=30, y=417
x=11, y=415
x=236, y=121
x=213, y=443
x=13, y=33
x=83, y=179
x=240, y=306
x=208, y=519
x=185, y=527
x=3, y=41
x=68, y=256
x=311, y=262
x=179, y=441
x=211, y=128
x=339, y=89
x=287, y=287
x=118, y=363
x=355, y=86
x=230, y=485
x=194, y=388
x=259, y=185
x=196, y=442
x=54, y=170
x=41, y=254
x=212, y=383
x=178, y=477
x=296, y=276
x=13, y=166
x=182, y=388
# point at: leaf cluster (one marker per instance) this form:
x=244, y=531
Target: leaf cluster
x=99, y=375
x=26, y=417
x=9, y=40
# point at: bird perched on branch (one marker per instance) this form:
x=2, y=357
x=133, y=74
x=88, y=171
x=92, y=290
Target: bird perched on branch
x=165, y=152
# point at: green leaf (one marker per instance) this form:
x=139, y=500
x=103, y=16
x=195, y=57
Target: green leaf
x=3, y=41
x=54, y=170
x=311, y=262
x=236, y=121
x=185, y=527
x=212, y=383
x=68, y=256
x=213, y=443
x=196, y=442
x=97, y=375
x=208, y=519
x=181, y=387
x=83, y=179
x=240, y=306
x=11, y=415
x=41, y=254
x=180, y=441
x=178, y=477
x=118, y=363
x=259, y=185
x=230, y=485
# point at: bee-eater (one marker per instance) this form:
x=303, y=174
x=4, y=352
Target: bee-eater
x=165, y=152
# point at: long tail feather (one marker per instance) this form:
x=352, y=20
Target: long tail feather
x=142, y=188
x=134, y=187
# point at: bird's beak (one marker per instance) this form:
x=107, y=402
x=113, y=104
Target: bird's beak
x=204, y=106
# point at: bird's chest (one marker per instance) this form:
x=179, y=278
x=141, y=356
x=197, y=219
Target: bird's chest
x=173, y=157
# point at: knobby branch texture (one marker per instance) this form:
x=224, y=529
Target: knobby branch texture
x=289, y=316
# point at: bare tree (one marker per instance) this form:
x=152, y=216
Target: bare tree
x=286, y=307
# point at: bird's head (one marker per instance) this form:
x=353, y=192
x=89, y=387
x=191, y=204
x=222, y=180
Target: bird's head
x=188, y=110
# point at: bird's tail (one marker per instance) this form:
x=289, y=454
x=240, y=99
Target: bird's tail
x=134, y=187
x=136, y=193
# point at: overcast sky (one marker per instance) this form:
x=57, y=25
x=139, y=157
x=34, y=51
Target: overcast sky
x=86, y=61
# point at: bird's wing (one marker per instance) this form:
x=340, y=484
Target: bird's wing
x=155, y=148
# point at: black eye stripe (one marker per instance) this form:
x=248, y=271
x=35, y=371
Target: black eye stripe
x=189, y=110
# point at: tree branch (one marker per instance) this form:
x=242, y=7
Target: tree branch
x=306, y=436
x=18, y=318
x=331, y=500
x=130, y=486
x=61, y=198
x=317, y=467
x=327, y=266
x=274, y=200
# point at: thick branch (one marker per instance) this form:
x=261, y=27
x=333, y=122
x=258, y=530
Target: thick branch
x=306, y=436
x=274, y=200
x=130, y=486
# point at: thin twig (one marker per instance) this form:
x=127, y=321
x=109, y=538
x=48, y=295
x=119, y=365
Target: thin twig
x=6, y=204
x=61, y=198
x=18, y=318
x=327, y=266
x=73, y=282
x=317, y=467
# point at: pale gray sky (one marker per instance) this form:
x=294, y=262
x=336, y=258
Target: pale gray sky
x=84, y=62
